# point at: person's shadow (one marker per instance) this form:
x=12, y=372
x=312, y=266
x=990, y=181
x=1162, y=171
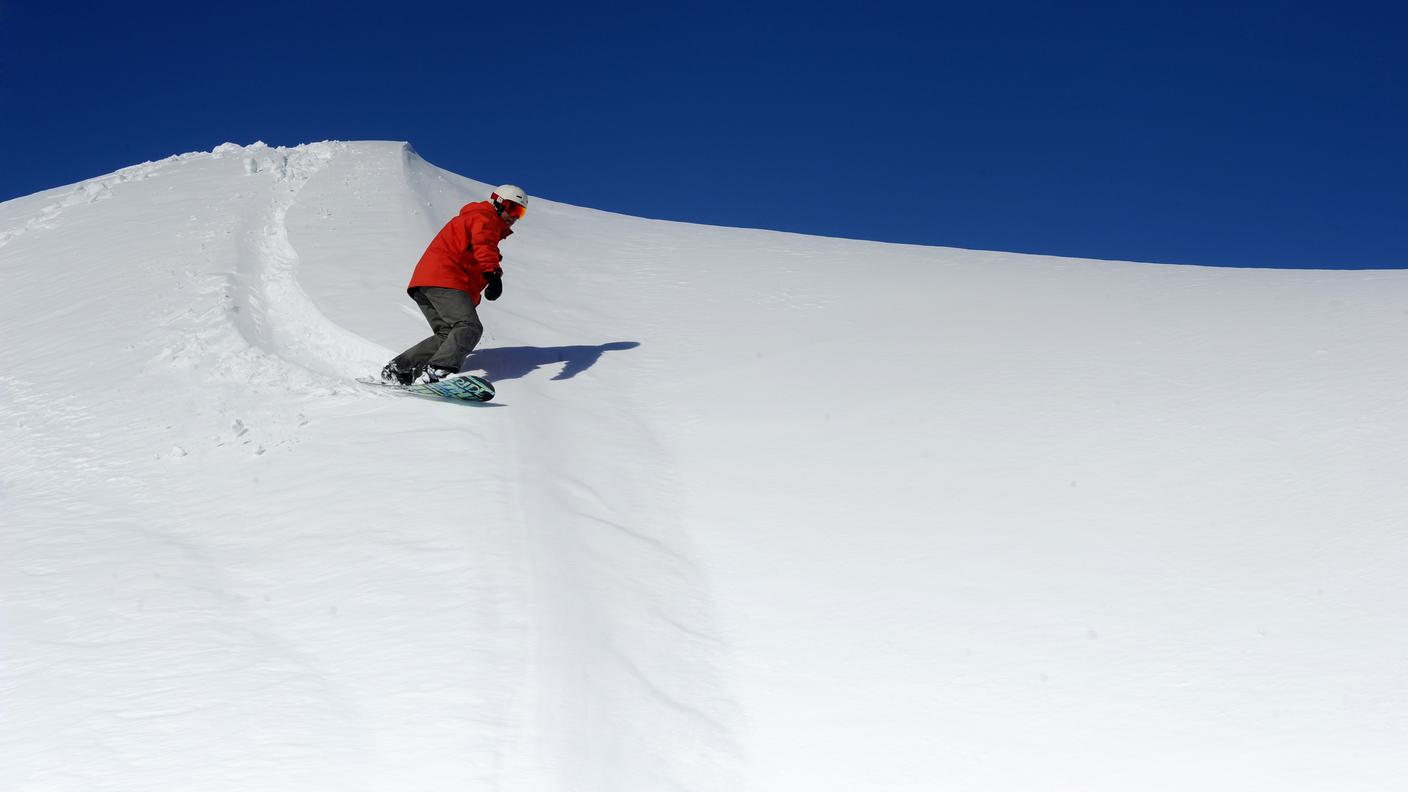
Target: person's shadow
x=506, y=363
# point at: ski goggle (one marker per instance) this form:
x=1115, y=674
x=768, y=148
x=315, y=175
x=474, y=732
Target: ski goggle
x=514, y=210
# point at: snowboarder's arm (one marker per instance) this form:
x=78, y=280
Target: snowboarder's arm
x=484, y=244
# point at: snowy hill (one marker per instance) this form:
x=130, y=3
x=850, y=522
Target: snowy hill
x=753, y=511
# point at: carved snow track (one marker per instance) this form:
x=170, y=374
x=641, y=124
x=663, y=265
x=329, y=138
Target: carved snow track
x=271, y=309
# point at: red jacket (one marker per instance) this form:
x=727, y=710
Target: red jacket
x=464, y=251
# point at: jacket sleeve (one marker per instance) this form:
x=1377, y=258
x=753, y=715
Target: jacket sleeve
x=484, y=245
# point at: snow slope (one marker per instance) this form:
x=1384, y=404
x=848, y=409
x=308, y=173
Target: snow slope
x=753, y=511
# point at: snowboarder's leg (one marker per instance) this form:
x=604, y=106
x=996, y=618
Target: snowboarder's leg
x=415, y=358
x=456, y=309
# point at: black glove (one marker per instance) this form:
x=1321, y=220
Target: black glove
x=495, y=287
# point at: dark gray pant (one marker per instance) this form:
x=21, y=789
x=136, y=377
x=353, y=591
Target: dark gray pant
x=451, y=315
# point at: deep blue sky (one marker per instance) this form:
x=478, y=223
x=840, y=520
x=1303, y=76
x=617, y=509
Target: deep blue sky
x=1266, y=134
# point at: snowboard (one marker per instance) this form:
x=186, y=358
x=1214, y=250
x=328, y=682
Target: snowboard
x=465, y=387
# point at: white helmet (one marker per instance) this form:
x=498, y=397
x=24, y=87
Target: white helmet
x=509, y=193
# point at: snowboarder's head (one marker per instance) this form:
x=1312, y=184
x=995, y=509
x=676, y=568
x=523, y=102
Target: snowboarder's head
x=510, y=202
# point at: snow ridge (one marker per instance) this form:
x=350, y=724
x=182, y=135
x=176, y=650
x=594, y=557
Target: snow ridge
x=990, y=522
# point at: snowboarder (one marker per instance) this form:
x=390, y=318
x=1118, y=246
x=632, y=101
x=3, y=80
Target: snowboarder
x=461, y=261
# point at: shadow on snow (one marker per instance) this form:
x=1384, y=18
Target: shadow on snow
x=506, y=363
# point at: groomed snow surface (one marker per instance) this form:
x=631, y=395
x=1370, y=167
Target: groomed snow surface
x=752, y=511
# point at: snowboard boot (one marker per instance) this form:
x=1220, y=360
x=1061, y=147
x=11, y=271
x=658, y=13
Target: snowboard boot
x=396, y=375
x=433, y=374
